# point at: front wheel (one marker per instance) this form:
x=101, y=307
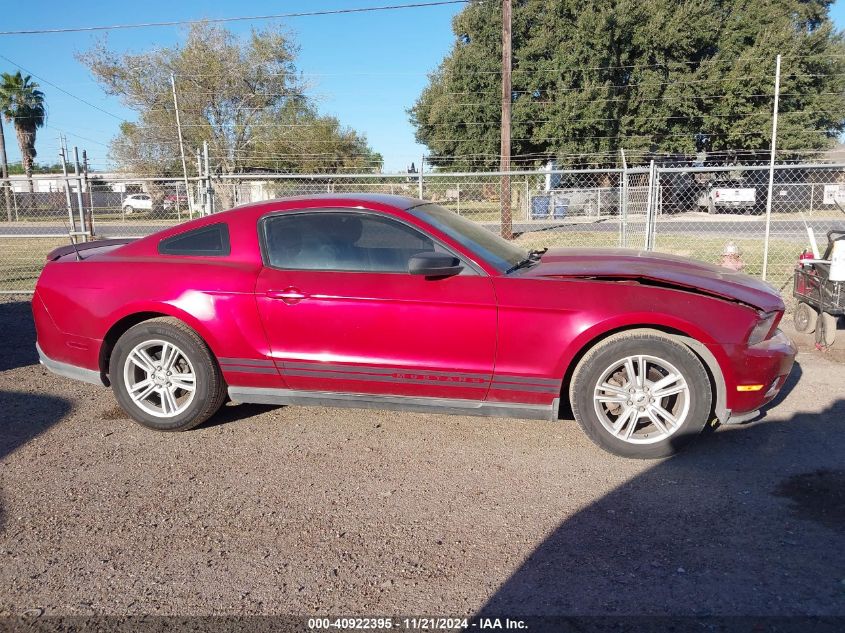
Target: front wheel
x=165, y=377
x=641, y=395
x=128, y=209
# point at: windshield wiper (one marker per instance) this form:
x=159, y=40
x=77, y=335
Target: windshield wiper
x=533, y=257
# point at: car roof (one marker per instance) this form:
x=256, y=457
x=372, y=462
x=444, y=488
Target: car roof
x=146, y=245
x=400, y=202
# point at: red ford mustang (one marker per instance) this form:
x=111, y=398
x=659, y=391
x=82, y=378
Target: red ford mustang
x=388, y=302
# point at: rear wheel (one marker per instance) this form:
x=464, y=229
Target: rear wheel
x=129, y=208
x=165, y=377
x=805, y=317
x=641, y=395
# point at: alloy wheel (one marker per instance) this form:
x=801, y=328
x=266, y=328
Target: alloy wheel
x=159, y=378
x=642, y=399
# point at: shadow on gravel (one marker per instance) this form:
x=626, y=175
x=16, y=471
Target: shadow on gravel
x=18, y=328
x=747, y=520
x=236, y=412
x=24, y=417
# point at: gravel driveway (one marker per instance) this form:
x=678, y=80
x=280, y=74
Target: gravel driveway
x=331, y=512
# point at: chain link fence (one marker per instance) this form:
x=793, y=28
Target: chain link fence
x=715, y=214
x=700, y=211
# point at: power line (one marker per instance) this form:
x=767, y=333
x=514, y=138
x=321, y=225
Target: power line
x=84, y=138
x=297, y=14
x=59, y=88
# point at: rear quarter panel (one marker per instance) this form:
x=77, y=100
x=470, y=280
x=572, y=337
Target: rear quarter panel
x=85, y=299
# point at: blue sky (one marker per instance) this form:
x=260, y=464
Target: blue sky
x=366, y=69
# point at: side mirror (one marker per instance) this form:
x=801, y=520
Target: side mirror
x=434, y=265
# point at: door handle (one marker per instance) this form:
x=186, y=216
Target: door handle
x=290, y=295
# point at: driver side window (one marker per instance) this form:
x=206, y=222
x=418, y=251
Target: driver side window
x=352, y=242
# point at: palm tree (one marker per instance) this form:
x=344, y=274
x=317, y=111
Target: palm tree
x=23, y=104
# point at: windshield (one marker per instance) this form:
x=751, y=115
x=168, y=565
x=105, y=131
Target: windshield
x=485, y=243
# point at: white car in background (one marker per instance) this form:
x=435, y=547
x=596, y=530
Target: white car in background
x=137, y=202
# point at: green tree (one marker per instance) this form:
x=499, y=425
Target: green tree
x=22, y=104
x=244, y=97
x=17, y=169
x=592, y=77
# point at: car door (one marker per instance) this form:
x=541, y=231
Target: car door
x=343, y=314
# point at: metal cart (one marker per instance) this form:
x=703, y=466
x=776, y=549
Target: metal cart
x=820, y=301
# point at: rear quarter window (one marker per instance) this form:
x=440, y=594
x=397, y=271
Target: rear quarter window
x=208, y=241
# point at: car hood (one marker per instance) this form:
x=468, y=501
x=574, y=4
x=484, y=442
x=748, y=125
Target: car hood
x=657, y=269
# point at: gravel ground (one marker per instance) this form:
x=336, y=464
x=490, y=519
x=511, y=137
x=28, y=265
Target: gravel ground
x=330, y=512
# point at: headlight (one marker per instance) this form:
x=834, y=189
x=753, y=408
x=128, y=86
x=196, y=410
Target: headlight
x=763, y=329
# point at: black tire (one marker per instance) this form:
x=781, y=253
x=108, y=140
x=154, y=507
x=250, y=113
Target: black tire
x=129, y=209
x=210, y=388
x=613, y=350
x=805, y=317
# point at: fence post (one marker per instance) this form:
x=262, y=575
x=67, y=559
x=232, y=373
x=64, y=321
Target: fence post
x=209, y=192
x=650, y=204
x=623, y=202
x=89, y=211
x=6, y=187
x=812, y=194
x=78, y=188
x=527, y=200
x=420, y=178
x=771, y=170
x=68, y=199
x=200, y=205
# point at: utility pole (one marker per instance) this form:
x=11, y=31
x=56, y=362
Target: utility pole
x=771, y=169
x=505, y=153
x=182, y=152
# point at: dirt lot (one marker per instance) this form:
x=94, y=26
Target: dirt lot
x=331, y=512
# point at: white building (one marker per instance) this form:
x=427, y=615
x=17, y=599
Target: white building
x=48, y=183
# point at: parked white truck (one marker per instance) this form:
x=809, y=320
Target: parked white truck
x=728, y=195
